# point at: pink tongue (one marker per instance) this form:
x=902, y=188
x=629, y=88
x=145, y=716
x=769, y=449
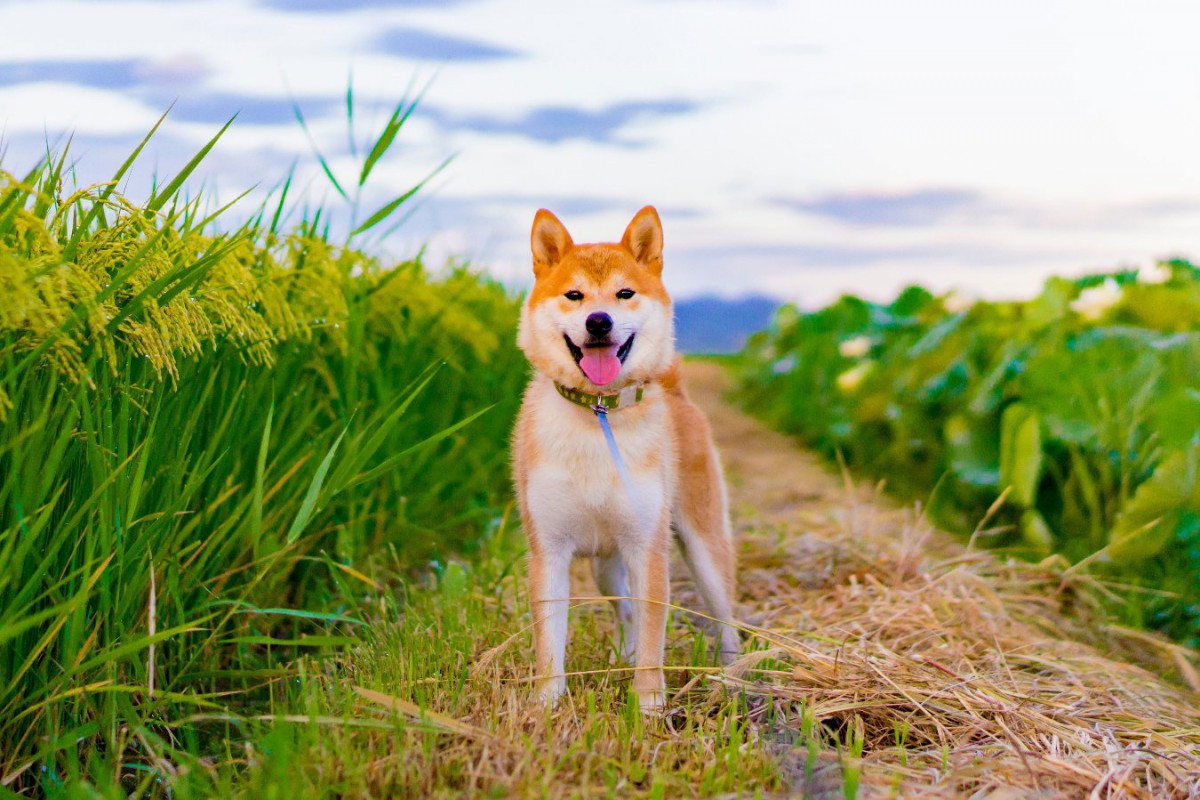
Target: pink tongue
x=600, y=365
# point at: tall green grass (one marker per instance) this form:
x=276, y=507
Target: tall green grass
x=211, y=447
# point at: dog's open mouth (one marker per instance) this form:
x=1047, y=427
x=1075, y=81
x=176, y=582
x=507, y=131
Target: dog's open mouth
x=603, y=359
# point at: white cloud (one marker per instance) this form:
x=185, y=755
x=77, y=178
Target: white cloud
x=57, y=108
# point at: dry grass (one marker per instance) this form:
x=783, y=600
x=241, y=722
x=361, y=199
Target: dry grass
x=963, y=676
x=457, y=671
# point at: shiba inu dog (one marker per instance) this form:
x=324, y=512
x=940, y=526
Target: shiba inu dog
x=599, y=331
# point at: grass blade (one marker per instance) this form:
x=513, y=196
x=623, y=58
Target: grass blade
x=389, y=208
x=317, y=152
x=399, y=116
x=392, y=461
x=350, y=114
x=314, y=490
x=260, y=469
x=159, y=200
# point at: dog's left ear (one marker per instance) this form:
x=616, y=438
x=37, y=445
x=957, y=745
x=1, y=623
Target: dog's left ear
x=644, y=238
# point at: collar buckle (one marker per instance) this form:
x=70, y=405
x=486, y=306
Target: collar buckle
x=602, y=402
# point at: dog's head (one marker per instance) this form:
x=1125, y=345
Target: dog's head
x=598, y=317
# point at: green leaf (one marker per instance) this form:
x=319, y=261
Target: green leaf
x=314, y=490
x=910, y=301
x=1036, y=532
x=260, y=469
x=160, y=199
x=366, y=445
x=1163, y=308
x=202, y=224
x=350, y=114
x=399, y=116
x=971, y=452
x=391, y=462
x=1146, y=523
x=287, y=184
x=1051, y=305
x=317, y=152
x=1021, y=453
x=389, y=208
x=299, y=613
x=1173, y=416
x=303, y=641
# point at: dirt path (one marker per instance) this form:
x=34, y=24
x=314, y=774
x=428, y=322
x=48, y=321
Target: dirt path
x=771, y=479
x=963, y=674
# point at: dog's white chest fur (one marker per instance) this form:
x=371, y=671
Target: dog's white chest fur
x=575, y=491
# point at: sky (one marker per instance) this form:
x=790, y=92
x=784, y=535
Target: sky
x=795, y=149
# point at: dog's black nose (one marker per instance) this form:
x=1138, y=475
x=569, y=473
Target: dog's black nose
x=598, y=323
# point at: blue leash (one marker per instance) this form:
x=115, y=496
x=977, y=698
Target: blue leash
x=602, y=414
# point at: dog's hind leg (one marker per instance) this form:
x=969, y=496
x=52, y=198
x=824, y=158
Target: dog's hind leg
x=613, y=581
x=710, y=558
x=701, y=519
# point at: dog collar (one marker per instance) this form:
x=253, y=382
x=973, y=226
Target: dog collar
x=630, y=395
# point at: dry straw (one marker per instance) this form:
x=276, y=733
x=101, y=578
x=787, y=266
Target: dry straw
x=965, y=675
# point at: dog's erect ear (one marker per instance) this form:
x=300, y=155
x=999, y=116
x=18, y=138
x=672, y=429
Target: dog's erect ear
x=549, y=242
x=644, y=239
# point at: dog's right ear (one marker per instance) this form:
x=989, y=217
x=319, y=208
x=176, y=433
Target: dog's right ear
x=549, y=241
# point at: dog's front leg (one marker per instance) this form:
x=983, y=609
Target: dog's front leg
x=549, y=590
x=652, y=590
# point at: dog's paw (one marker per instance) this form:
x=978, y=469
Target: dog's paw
x=651, y=690
x=652, y=703
x=548, y=691
x=729, y=649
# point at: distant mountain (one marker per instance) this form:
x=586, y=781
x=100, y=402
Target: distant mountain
x=710, y=324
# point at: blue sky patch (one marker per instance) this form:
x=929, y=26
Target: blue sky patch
x=554, y=124
x=218, y=107
x=915, y=208
x=428, y=46
x=123, y=74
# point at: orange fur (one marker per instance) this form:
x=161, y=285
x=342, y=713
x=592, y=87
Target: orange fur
x=571, y=499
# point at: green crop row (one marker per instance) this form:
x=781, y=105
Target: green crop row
x=209, y=445
x=1080, y=408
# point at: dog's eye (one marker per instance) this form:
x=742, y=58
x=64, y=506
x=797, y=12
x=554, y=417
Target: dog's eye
x=625, y=294
x=574, y=294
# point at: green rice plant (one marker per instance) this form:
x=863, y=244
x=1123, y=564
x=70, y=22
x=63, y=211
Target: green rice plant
x=213, y=446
